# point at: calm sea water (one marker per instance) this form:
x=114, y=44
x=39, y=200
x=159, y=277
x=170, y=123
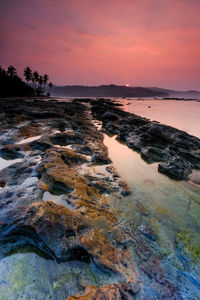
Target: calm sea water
x=184, y=115
x=172, y=207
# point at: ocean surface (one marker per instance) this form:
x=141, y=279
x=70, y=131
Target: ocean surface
x=184, y=115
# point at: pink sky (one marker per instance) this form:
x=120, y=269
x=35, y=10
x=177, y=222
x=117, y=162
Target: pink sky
x=92, y=42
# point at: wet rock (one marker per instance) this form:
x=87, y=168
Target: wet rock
x=101, y=158
x=111, y=169
x=124, y=189
x=11, y=152
x=84, y=150
x=62, y=234
x=86, y=228
x=2, y=183
x=151, y=154
x=101, y=186
x=116, y=291
x=193, y=158
x=108, y=116
x=40, y=145
x=54, y=174
x=147, y=232
x=66, y=138
x=71, y=158
x=156, y=142
x=30, y=130
x=16, y=173
x=177, y=169
x=110, y=128
x=142, y=209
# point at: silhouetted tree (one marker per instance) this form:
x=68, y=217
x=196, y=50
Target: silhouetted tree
x=12, y=85
x=40, y=81
x=45, y=80
x=50, y=86
x=28, y=74
x=35, y=76
x=12, y=71
x=33, y=81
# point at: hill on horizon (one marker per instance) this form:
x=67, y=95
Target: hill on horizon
x=113, y=90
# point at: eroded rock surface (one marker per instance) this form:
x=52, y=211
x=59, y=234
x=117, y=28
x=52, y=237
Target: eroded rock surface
x=115, y=291
x=63, y=158
x=84, y=228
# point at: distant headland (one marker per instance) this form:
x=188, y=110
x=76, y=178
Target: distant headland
x=113, y=90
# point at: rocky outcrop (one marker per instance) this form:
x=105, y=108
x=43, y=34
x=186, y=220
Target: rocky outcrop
x=85, y=227
x=56, y=152
x=177, y=151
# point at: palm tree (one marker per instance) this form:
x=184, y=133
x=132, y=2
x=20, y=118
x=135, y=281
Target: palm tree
x=35, y=77
x=28, y=74
x=45, y=80
x=11, y=71
x=33, y=81
x=40, y=81
x=50, y=86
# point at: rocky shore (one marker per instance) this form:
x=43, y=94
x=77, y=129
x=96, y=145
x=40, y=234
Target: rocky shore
x=55, y=200
x=176, y=151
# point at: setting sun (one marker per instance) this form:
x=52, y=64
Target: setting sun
x=127, y=85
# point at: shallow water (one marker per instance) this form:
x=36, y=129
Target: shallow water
x=171, y=207
x=60, y=200
x=184, y=115
x=4, y=163
x=28, y=140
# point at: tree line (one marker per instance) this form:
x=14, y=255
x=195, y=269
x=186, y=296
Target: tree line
x=12, y=85
x=39, y=82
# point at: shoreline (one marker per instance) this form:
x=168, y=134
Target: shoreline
x=57, y=197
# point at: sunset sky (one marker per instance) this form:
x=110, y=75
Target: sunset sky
x=92, y=42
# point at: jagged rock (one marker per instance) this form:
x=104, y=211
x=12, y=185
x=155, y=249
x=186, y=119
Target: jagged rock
x=11, y=152
x=108, y=116
x=177, y=169
x=124, y=189
x=147, y=232
x=152, y=154
x=66, y=138
x=156, y=142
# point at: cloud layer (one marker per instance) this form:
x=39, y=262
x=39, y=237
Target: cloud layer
x=140, y=42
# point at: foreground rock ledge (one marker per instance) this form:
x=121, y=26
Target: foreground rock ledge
x=86, y=228
x=116, y=291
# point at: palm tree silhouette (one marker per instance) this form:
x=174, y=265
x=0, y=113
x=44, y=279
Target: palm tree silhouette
x=11, y=71
x=28, y=74
x=40, y=81
x=35, y=77
x=50, y=86
x=45, y=80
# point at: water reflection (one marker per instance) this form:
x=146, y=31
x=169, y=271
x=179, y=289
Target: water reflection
x=28, y=140
x=4, y=163
x=173, y=206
